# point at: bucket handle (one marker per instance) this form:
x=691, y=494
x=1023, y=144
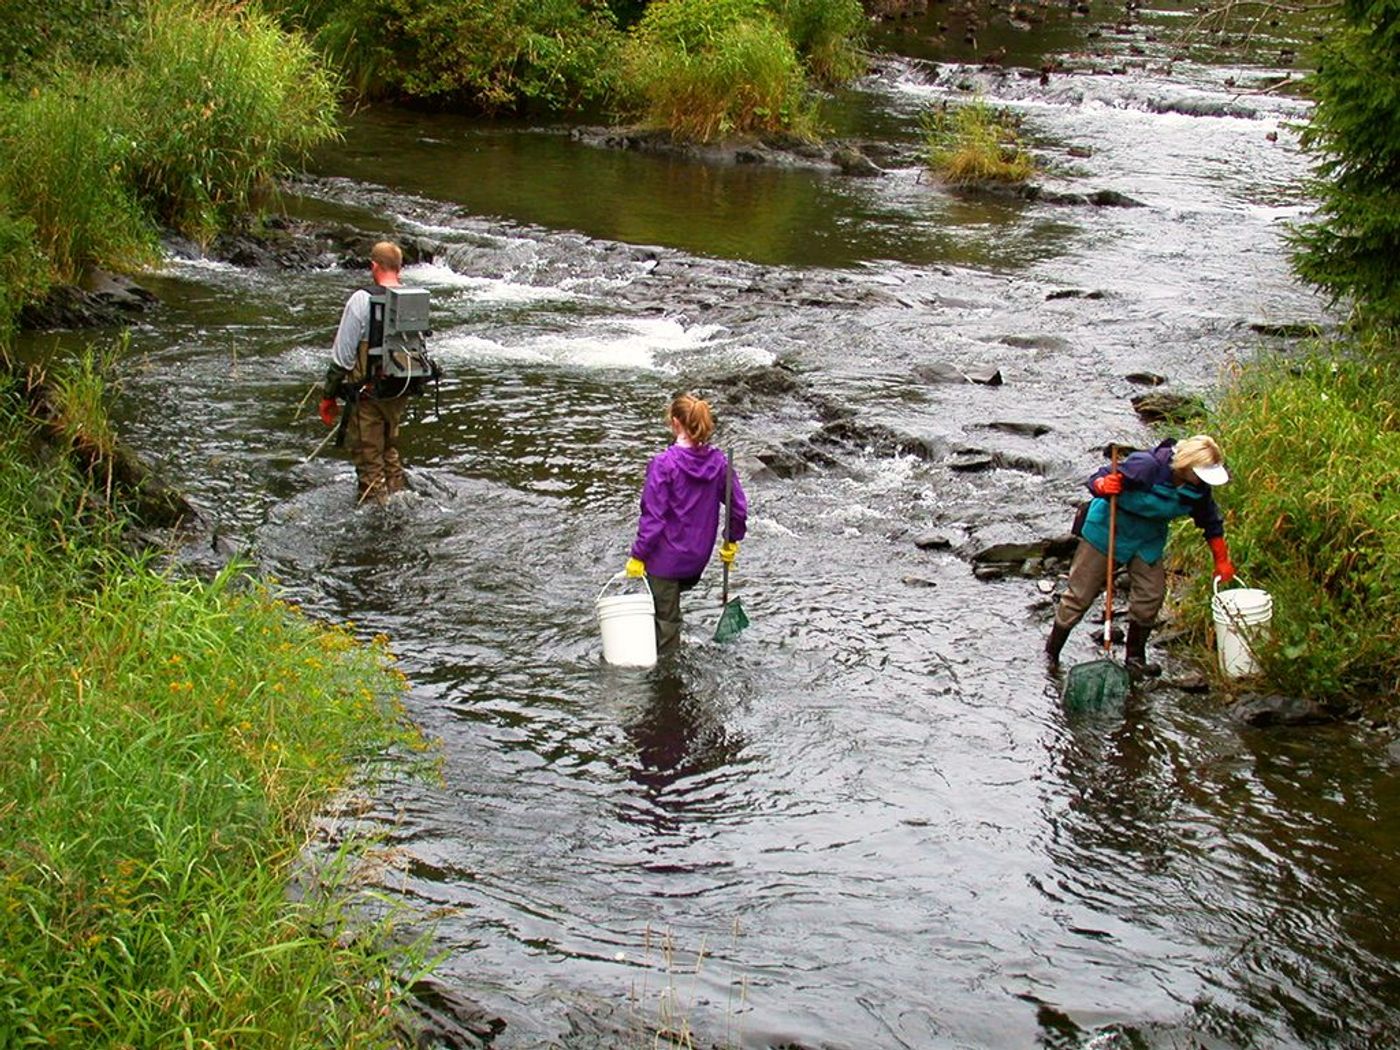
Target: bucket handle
x=623, y=576
x=1215, y=582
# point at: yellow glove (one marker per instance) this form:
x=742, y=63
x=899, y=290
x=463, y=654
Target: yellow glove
x=636, y=568
x=728, y=552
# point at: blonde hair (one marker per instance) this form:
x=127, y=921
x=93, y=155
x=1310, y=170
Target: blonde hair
x=388, y=255
x=1198, y=451
x=694, y=416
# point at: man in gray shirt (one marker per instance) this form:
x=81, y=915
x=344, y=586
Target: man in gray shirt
x=371, y=422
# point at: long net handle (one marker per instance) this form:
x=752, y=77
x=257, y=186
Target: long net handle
x=1112, y=532
x=728, y=492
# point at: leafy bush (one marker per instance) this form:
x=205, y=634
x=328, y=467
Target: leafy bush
x=491, y=54
x=1351, y=248
x=1314, y=518
x=708, y=68
x=35, y=37
x=219, y=101
x=973, y=142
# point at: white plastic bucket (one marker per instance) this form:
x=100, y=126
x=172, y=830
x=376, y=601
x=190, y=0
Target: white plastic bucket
x=628, y=624
x=1242, y=620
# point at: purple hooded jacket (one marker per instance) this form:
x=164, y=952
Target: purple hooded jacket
x=680, y=511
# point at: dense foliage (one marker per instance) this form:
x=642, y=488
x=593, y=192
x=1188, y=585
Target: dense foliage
x=36, y=36
x=164, y=745
x=1313, y=517
x=1351, y=251
x=699, y=67
x=491, y=55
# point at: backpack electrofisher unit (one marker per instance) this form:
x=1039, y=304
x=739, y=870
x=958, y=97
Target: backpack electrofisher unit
x=398, y=330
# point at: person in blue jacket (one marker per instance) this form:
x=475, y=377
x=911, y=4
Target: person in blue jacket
x=681, y=500
x=1171, y=481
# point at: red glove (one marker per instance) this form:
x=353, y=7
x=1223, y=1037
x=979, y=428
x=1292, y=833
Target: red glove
x=1223, y=568
x=1108, y=485
x=330, y=411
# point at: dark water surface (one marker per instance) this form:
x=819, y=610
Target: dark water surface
x=870, y=815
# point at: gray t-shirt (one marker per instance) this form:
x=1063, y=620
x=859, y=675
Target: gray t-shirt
x=353, y=330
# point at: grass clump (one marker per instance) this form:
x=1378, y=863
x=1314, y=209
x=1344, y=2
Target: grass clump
x=1314, y=518
x=163, y=745
x=706, y=69
x=974, y=142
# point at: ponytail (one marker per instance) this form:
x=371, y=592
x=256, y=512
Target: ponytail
x=694, y=416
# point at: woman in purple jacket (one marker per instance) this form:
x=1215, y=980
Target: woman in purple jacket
x=680, y=515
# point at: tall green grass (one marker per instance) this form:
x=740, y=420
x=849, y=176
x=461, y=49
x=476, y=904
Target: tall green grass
x=66, y=152
x=974, y=142
x=210, y=103
x=24, y=272
x=163, y=745
x=1314, y=518
x=221, y=102
x=707, y=69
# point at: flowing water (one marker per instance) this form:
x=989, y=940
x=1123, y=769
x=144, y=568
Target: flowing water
x=870, y=814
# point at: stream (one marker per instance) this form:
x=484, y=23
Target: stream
x=868, y=822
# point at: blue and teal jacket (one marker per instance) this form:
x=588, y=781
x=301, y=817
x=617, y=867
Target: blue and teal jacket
x=1146, y=506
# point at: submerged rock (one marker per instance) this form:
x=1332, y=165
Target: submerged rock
x=441, y=1016
x=1273, y=709
x=939, y=372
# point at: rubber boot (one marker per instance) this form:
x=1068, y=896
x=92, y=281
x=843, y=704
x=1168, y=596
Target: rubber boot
x=1055, y=643
x=1136, y=650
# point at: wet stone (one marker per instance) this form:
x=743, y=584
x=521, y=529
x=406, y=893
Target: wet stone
x=1033, y=430
x=1273, y=709
x=972, y=462
x=1145, y=378
x=936, y=540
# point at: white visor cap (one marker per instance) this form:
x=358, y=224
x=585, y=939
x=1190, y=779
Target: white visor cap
x=1213, y=473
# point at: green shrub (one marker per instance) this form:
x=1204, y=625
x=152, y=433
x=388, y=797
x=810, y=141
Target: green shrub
x=491, y=54
x=65, y=159
x=827, y=34
x=972, y=142
x=711, y=68
x=219, y=101
x=1314, y=518
x=35, y=37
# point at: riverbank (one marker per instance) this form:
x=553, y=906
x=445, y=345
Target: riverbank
x=166, y=745
x=1315, y=519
